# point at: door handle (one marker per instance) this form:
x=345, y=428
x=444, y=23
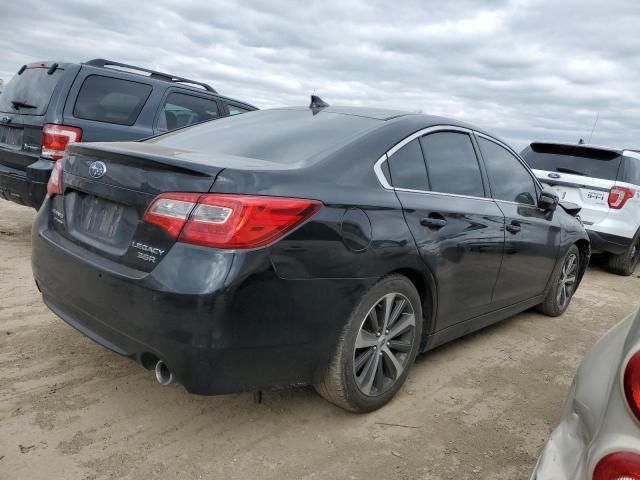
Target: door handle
x=514, y=227
x=432, y=222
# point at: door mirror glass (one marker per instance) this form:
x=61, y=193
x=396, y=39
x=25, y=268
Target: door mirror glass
x=548, y=200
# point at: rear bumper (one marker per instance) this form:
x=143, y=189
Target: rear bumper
x=25, y=187
x=223, y=322
x=604, y=242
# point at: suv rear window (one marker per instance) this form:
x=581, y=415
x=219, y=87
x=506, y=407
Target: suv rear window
x=575, y=160
x=111, y=100
x=31, y=90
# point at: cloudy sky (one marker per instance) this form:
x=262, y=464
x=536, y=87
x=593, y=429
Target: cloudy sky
x=524, y=69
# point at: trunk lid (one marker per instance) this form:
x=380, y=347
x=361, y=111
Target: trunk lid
x=107, y=189
x=23, y=105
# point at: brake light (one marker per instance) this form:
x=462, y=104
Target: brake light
x=55, y=139
x=54, y=187
x=228, y=221
x=618, y=196
x=618, y=466
x=632, y=384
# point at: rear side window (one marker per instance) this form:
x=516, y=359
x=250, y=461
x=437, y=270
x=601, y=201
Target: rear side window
x=235, y=110
x=510, y=180
x=575, y=160
x=452, y=164
x=29, y=92
x=407, y=168
x=111, y=100
x=181, y=110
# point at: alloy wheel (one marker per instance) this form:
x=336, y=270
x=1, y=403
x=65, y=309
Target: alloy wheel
x=568, y=278
x=383, y=345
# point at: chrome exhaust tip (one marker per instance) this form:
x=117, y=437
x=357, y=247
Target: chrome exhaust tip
x=163, y=373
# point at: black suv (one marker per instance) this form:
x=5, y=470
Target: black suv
x=49, y=104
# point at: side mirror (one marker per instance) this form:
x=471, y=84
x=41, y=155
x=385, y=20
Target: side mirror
x=548, y=201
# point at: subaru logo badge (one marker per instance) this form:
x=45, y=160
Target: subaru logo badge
x=554, y=175
x=97, y=169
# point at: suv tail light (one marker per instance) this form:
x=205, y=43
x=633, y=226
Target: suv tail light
x=228, y=221
x=618, y=466
x=54, y=187
x=618, y=196
x=632, y=384
x=55, y=139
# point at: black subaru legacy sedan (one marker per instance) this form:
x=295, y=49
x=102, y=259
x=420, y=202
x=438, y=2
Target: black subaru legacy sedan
x=319, y=246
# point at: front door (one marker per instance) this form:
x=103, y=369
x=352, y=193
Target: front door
x=532, y=236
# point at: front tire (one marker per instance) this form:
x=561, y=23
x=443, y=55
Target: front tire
x=564, y=283
x=377, y=347
x=626, y=263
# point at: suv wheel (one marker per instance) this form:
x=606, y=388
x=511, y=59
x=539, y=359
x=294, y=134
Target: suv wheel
x=626, y=263
x=377, y=347
x=563, y=285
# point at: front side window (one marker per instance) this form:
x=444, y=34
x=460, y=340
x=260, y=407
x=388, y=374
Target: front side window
x=181, y=110
x=452, y=164
x=407, y=168
x=510, y=180
x=111, y=100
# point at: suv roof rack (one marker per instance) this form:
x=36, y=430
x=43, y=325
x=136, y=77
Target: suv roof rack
x=101, y=62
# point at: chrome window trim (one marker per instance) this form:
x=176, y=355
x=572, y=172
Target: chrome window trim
x=377, y=167
x=443, y=194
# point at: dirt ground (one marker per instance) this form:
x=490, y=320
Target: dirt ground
x=478, y=408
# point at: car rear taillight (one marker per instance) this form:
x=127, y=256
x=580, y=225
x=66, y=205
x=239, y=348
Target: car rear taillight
x=618, y=466
x=55, y=139
x=54, y=187
x=618, y=196
x=632, y=384
x=228, y=221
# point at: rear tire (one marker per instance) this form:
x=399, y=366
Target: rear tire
x=626, y=263
x=377, y=347
x=564, y=282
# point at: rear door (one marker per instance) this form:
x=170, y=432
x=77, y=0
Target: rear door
x=109, y=105
x=532, y=235
x=23, y=105
x=582, y=175
x=459, y=232
x=181, y=108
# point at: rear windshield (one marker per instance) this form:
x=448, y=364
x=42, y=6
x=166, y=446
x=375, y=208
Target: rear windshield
x=111, y=100
x=585, y=161
x=282, y=136
x=29, y=93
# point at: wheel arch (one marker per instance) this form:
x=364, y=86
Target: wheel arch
x=426, y=286
x=584, y=246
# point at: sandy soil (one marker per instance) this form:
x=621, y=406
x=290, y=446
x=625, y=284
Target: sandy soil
x=479, y=408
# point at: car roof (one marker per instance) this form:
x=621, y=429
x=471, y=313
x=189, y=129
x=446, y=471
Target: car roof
x=366, y=112
x=400, y=116
x=130, y=69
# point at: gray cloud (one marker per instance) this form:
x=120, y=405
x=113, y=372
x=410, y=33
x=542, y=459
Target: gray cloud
x=524, y=69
